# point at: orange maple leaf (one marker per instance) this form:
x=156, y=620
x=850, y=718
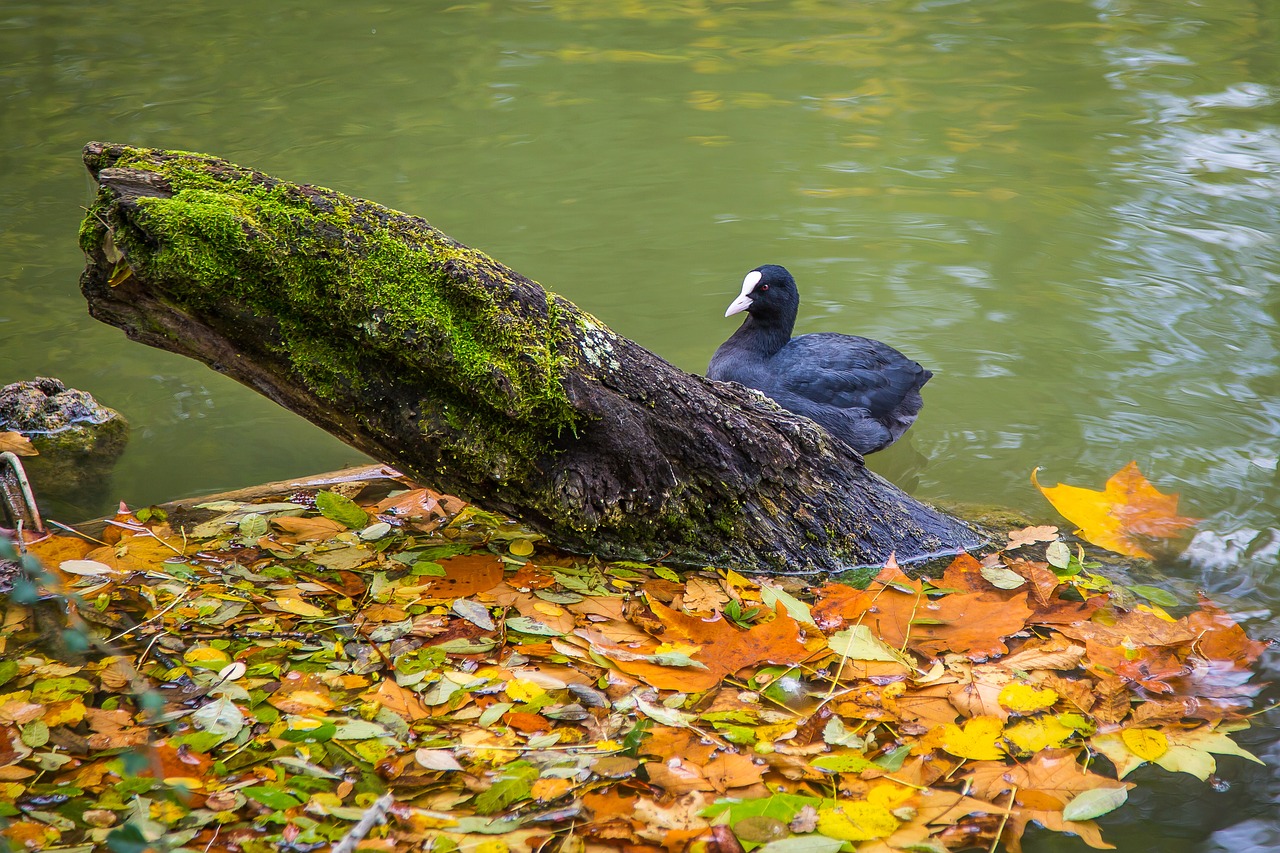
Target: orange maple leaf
x=720, y=647
x=1127, y=508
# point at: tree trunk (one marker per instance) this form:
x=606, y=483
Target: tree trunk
x=434, y=358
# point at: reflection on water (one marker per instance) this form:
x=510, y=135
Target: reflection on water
x=1067, y=210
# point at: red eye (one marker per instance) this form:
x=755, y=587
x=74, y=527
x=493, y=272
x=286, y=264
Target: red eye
x=764, y=287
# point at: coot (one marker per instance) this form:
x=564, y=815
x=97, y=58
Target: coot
x=862, y=391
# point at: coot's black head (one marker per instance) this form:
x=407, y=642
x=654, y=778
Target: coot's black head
x=768, y=294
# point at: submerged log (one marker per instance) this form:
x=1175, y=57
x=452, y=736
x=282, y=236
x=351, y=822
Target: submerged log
x=432, y=357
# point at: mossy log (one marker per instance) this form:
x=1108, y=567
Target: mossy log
x=432, y=357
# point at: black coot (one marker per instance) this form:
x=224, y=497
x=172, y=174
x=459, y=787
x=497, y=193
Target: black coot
x=862, y=391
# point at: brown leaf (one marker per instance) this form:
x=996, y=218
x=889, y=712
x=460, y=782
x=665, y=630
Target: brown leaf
x=1113, y=700
x=1031, y=535
x=703, y=596
x=400, y=701
x=17, y=444
x=731, y=771
x=721, y=647
x=1219, y=638
x=295, y=530
x=974, y=624
x=964, y=574
x=465, y=575
x=1054, y=653
x=677, y=777
x=1077, y=691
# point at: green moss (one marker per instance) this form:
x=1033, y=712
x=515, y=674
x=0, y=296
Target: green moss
x=347, y=287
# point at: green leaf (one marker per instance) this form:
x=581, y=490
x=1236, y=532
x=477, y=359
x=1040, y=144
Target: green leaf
x=1095, y=802
x=253, y=526
x=781, y=807
x=343, y=510
x=481, y=826
x=353, y=729
x=803, y=844
x=307, y=732
x=49, y=690
x=667, y=574
x=841, y=763
x=1058, y=554
x=834, y=733
x=127, y=839
x=516, y=784
x=221, y=717
x=1155, y=595
x=8, y=669
x=466, y=646
x=772, y=595
x=35, y=734
x=760, y=829
x=1002, y=578
x=529, y=625
x=858, y=643
x=892, y=761
x=272, y=798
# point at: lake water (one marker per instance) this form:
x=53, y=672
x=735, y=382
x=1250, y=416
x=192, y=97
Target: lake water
x=1068, y=210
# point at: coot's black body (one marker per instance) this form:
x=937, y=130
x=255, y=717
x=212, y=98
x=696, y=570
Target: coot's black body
x=864, y=392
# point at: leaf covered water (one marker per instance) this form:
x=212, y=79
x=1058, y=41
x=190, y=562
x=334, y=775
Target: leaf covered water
x=261, y=679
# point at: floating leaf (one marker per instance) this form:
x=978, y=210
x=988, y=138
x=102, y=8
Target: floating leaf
x=341, y=509
x=1002, y=578
x=858, y=643
x=1155, y=595
x=220, y=717
x=978, y=740
x=1090, y=804
x=17, y=444
x=1147, y=744
x=272, y=798
x=1038, y=734
x=841, y=763
x=1026, y=699
x=1129, y=507
x=298, y=607
x=857, y=821
x=772, y=596
x=803, y=844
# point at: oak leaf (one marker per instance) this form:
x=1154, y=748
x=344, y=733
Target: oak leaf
x=1128, y=509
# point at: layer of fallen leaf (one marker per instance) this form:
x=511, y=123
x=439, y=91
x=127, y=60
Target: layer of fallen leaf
x=257, y=681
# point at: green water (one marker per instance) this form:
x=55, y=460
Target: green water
x=1067, y=210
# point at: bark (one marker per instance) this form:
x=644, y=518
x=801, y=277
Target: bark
x=434, y=358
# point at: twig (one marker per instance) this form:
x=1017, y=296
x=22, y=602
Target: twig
x=74, y=532
x=376, y=813
x=138, y=529
x=1004, y=818
x=167, y=608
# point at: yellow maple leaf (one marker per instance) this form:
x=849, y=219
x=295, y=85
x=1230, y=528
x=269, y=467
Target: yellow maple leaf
x=523, y=690
x=1038, y=734
x=1147, y=744
x=1025, y=699
x=1128, y=507
x=978, y=740
x=857, y=821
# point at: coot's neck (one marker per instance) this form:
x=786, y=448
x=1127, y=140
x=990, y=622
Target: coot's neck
x=764, y=334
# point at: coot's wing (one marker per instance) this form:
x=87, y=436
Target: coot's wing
x=849, y=372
